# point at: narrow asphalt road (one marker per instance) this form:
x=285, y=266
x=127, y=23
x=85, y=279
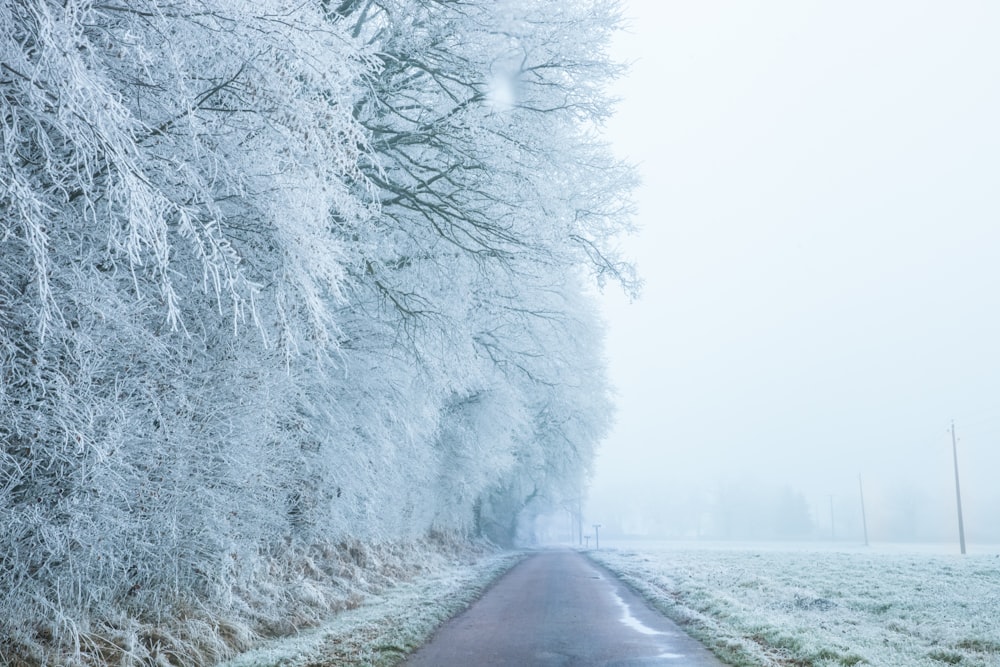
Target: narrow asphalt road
x=559, y=608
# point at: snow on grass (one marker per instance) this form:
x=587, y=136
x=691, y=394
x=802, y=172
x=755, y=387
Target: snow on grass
x=388, y=626
x=761, y=606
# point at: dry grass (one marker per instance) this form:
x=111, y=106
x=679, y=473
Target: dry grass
x=300, y=589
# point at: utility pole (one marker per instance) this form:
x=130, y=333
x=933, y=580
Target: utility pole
x=864, y=519
x=597, y=536
x=958, y=489
x=833, y=531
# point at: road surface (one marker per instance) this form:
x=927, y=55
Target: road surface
x=559, y=608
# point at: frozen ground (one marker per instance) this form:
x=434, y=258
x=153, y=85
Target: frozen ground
x=385, y=627
x=810, y=605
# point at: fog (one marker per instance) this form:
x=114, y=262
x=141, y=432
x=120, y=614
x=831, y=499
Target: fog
x=821, y=250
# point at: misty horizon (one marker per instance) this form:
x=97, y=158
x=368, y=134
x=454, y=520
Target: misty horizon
x=818, y=242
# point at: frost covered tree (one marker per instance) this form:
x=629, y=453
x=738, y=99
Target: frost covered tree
x=168, y=172
x=496, y=196
x=275, y=276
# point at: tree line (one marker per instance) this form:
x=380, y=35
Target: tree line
x=278, y=274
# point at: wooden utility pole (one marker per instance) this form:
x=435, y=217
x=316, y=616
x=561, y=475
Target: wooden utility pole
x=833, y=529
x=579, y=520
x=958, y=489
x=864, y=519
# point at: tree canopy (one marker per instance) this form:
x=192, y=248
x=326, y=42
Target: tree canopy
x=278, y=274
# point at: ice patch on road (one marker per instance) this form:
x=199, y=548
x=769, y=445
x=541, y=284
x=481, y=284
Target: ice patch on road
x=631, y=621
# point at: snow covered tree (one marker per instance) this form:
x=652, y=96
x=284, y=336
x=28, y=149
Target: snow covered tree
x=277, y=275
x=168, y=171
x=493, y=187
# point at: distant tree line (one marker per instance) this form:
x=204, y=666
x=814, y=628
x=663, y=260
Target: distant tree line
x=278, y=274
x=752, y=509
x=736, y=509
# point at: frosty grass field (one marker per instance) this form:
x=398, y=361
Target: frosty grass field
x=386, y=626
x=760, y=605
x=770, y=605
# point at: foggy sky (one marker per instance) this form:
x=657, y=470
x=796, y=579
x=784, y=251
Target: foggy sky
x=821, y=248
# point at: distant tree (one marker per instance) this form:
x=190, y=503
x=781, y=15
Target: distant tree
x=745, y=509
x=792, y=518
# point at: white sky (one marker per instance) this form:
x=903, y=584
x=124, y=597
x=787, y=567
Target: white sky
x=820, y=243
